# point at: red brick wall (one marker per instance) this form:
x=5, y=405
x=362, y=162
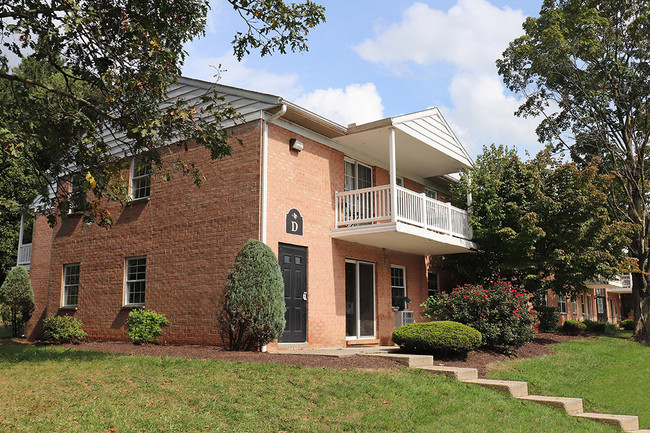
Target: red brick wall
x=612, y=316
x=307, y=181
x=190, y=236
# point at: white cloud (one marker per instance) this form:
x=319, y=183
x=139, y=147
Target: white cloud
x=358, y=103
x=469, y=37
x=238, y=74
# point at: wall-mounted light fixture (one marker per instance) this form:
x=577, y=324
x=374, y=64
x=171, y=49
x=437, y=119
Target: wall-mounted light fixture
x=296, y=144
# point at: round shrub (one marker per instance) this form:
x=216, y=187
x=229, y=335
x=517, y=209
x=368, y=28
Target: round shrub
x=573, y=327
x=628, y=324
x=253, y=308
x=548, y=316
x=145, y=325
x=438, y=338
x=63, y=329
x=501, y=313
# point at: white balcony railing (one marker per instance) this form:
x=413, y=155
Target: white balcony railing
x=24, y=254
x=373, y=205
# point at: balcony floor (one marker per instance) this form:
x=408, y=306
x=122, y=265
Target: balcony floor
x=404, y=237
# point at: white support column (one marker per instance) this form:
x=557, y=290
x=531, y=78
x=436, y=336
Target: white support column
x=393, y=175
x=20, y=236
x=265, y=169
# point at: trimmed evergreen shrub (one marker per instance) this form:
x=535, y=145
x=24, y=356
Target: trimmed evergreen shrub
x=63, y=329
x=628, y=324
x=437, y=338
x=612, y=329
x=602, y=328
x=145, y=325
x=253, y=307
x=548, y=316
x=501, y=313
x=17, y=300
x=573, y=327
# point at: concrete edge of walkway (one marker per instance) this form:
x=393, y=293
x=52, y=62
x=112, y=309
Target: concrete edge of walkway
x=519, y=390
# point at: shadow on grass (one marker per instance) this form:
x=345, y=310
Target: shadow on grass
x=47, y=353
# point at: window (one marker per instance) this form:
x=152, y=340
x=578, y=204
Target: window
x=431, y=193
x=589, y=307
x=140, y=179
x=398, y=286
x=70, y=285
x=575, y=307
x=136, y=272
x=432, y=283
x=357, y=175
x=562, y=304
x=77, y=198
x=399, y=181
x=582, y=304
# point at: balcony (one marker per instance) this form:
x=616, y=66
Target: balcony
x=24, y=255
x=417, y=224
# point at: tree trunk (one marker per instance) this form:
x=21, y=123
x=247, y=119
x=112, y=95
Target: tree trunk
x=641, y=307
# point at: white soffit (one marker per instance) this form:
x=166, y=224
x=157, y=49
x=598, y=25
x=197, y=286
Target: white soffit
x=424, y=143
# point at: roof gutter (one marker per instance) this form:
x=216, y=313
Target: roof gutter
x=265, y=168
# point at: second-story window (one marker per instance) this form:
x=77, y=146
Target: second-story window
x=77, y=202
x=140, y=179
x=357, y=175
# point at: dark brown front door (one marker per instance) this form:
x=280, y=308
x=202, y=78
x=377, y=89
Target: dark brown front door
x=293, y=262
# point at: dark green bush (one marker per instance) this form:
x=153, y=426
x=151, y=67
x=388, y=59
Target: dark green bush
x=628, y=324
x=601, y=328
x=145, y=325
x=548, y=317
x=500, y=313
x=573, y=327
x=437, y=338
x=253, y=307
x=63, y=329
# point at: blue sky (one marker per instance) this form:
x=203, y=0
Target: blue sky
x=380, y=58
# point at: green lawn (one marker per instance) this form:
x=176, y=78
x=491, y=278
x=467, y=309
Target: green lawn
x=610, y=374
x=52, y=389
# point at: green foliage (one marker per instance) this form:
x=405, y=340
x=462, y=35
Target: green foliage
x=573, y=327
x=500, y=313
x=628, y=324
x=440, y=338
x=17, y=300
x=548, y=317
x=63, y=329
x=541, y=224
x=145, y=325
x=582, y=67
x=253, y=307
x=93, y=69
x=601, y=328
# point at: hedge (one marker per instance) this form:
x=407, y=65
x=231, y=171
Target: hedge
x=438, y=338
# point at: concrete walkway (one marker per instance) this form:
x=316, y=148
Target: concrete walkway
x=517, y=389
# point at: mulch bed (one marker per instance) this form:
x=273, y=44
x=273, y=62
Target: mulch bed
x=479, y=359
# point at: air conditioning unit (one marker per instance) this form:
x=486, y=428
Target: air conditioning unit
x=404, y=317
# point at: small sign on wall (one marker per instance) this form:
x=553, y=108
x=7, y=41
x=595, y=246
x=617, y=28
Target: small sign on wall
x=294, y=222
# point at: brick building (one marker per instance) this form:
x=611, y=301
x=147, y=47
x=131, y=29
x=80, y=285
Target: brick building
x=355, y=214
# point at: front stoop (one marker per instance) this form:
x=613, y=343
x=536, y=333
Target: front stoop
x=627, y=423
x=519, y=390
x=514, y=388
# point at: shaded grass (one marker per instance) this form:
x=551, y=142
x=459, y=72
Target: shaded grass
x=610, y=374
x=54, y=389
x=4, y=332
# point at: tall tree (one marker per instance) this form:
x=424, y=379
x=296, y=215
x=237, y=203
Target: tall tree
x=541, y=224
x=584, y=65
x=108, y=64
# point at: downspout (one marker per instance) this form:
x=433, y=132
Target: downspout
x=265, y=168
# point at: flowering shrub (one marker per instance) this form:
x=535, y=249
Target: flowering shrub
x=501, y=313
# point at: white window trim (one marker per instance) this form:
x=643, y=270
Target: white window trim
x=125, y=300
x=374, y=301
x=356, y=172
x=403, y=268
x=64, y=286
x=437, y=274
x=399, y=181
x=562, y=300
x=431, y=190
x=133, y=178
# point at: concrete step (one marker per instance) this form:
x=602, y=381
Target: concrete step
x=459, y=373
x=404, y=358
x=627, y=423
x=514, y=388
x=641, y=431
x=572, y=406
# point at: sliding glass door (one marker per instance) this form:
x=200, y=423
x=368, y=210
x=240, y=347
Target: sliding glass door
x=359, y=299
